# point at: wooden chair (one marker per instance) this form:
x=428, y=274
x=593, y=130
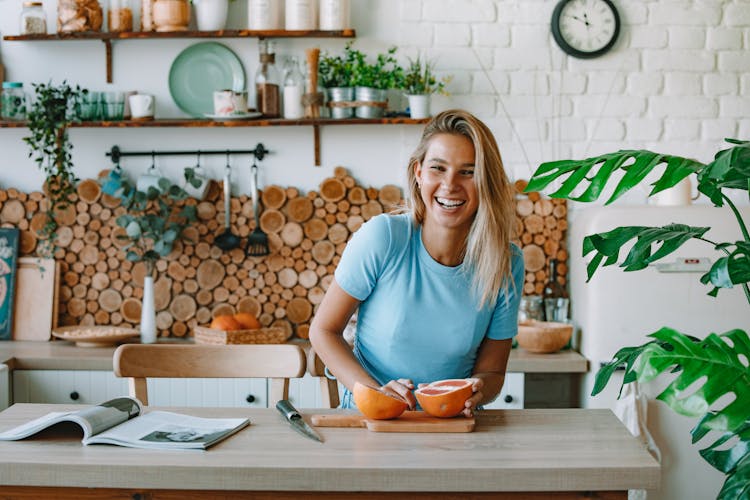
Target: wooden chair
x=329, y=389
x=276, y=362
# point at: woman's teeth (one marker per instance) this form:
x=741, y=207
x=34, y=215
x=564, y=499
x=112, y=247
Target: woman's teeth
x=444, y=202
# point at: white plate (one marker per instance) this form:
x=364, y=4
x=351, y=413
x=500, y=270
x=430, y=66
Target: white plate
x=238, y=116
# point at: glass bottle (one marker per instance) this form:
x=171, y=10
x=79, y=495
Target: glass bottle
x=555, y=296
x=33, y=19
x=294, y=84
x=119, y=16
x=267, y=82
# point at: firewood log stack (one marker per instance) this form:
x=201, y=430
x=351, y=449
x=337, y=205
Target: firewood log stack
x=307, y=235
x=541, y=226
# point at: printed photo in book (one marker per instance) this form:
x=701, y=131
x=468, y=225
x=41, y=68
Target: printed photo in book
x=121, y=422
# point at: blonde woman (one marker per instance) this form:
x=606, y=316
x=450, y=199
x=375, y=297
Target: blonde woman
x=437, y=285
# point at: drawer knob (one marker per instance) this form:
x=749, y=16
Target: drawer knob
x=250, y=398
x=508, y=398
x=74, y=395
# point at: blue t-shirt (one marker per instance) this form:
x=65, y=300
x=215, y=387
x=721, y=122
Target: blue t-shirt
x=418, y=318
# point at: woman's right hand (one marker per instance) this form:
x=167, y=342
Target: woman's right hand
x=401, y=388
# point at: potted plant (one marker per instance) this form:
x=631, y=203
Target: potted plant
x=335, y=74
x=713, y=366
x=419, y=82
x=49, y=117
x=372, y=80
x=154, y=221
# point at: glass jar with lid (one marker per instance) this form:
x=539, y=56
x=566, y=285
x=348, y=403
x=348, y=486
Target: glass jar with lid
x=119, y=16
x=33, y=19
x=13, y=101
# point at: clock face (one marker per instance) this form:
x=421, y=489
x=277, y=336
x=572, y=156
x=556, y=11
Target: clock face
x=585, y=28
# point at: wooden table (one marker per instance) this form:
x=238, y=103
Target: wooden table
x=573, y=451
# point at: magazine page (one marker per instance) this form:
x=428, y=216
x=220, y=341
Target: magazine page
x=105, y=415
x=38, y=424
x=92, y=420
x=160, y=429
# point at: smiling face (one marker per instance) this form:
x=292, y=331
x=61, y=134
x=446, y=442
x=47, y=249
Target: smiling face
x=446, y=180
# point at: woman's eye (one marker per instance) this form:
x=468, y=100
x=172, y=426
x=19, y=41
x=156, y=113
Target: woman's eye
x=437, y=168
x=467, y=173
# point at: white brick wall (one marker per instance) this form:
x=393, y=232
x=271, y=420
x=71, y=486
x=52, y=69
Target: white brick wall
x=678, y=79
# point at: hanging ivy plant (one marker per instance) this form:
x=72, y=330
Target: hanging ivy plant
x=49, y=117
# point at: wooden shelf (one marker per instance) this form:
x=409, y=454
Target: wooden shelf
x=315, y=123
x=142, y=35
x=107, y=38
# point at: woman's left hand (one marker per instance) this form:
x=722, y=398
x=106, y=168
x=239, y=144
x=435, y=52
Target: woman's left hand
x=471, y=403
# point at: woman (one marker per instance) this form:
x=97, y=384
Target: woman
x=438, y=285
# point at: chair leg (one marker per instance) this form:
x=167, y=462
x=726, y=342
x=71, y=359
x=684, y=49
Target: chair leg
x=138, y=388
x=279, y=390
x=329, y=392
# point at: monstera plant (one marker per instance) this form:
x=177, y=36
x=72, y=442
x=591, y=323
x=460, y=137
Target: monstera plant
x=717, y=364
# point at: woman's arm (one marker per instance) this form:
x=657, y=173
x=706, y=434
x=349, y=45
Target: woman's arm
x=326, y=337
x=489, y=370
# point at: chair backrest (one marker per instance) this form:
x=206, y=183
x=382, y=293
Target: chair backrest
x=329, y=389
x=276, y=362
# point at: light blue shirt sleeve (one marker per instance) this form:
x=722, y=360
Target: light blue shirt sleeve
x=364, y=257
x=504, y=322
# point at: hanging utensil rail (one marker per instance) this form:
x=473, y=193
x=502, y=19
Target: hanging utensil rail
x=259, y=152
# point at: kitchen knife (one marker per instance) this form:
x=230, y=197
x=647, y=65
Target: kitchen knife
x=295, y=419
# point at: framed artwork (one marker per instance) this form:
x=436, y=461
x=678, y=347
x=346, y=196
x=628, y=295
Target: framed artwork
x=8, y=255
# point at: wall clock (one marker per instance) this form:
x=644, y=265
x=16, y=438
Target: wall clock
x=585, y=28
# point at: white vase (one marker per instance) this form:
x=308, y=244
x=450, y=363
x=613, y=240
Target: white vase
x=211, y=15
x=148, y=312
x=419, y=105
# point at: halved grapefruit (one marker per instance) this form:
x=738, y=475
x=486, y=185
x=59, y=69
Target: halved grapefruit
x=444, y=398
x=376, y=404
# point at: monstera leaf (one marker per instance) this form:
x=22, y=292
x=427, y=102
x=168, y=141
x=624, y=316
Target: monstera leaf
x=716, y=364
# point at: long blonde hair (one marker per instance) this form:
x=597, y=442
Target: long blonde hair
x=488, y=252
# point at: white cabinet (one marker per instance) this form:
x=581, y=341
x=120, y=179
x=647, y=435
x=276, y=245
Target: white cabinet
x=95, y=386
x=66, y=386
x=511, y=397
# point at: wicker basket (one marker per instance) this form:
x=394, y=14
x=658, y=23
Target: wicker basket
x=205, y=335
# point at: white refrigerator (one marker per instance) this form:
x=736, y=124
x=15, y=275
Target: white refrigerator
x=617, y=309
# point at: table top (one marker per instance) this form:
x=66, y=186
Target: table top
x=510, y=450
x=63, y=355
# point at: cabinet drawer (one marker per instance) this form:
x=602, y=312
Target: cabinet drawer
x=92, y=387
x=511, y=397
x=66, y=386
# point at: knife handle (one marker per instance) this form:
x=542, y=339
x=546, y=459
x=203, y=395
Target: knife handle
x=338, y=420
x=287, y=409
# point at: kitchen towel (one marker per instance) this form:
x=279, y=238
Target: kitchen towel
x=631, y=408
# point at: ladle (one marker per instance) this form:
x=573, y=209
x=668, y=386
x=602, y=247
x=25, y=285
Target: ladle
x=227, y=240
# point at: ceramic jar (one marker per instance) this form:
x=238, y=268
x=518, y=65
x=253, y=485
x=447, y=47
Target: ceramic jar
x=171, y=15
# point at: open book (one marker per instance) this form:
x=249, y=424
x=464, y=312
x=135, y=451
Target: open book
x=121, y=421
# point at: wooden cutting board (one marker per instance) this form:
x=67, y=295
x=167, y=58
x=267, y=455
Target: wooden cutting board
x=35, y=309
x=409, y=421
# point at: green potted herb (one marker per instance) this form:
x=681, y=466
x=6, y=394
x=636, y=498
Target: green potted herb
x=419, y=83
x=335, y=74
x=48, y=118
x=372, y=79
x=714, y=367
x=154, y=221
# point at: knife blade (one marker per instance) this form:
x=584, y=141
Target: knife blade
x=295, y=419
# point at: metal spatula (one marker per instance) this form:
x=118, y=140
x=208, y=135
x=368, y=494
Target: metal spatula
x=257, y=241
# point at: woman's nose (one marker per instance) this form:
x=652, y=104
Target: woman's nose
x=449, y=179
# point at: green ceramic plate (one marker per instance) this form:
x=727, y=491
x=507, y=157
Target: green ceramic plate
x=198, y=71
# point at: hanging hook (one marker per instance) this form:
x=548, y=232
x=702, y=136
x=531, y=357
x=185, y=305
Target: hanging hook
x=153, y=160
x=228, y=153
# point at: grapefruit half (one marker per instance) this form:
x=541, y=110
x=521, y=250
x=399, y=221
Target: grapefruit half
x=376, y=404
x=444, y=398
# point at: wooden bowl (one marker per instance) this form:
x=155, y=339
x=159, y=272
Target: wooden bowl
x=543, y=337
